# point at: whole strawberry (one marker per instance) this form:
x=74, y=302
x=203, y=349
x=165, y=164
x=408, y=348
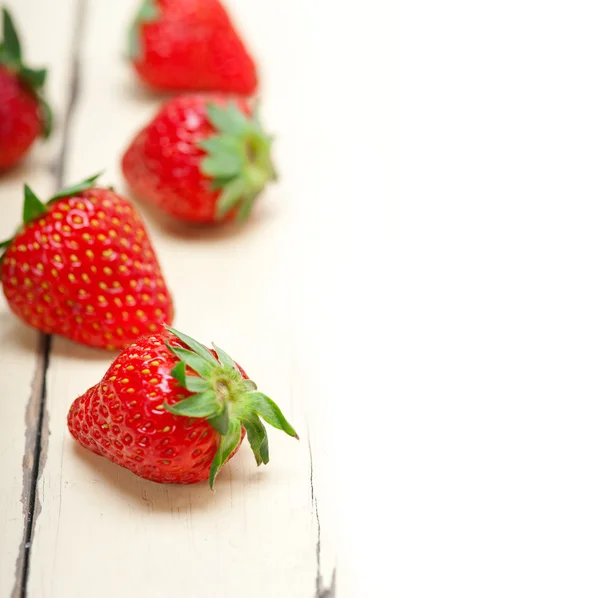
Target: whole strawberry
x=187, y=45
x=172, y=411
x=82, y=266
x=201, y=159
x=24, y=114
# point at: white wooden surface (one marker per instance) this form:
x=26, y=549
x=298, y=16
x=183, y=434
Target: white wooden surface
x=20, y=350
x=98, y=530
x=420, y=293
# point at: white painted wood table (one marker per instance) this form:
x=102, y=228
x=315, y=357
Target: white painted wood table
x=419, y=292
x=74, y=525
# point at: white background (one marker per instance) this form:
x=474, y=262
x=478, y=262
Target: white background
x=461, y=275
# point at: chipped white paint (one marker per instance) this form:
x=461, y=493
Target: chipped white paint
x=99, y=529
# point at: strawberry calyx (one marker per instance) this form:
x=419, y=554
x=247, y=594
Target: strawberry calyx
x=148, y=12
x=227, y=401
x=11, y=58
x=34, y=208
x=238, y=159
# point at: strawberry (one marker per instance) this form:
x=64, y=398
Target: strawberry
x=82, y=266
x=201, y=159
x=190, y=45
x=24, y=114
x=172, y=411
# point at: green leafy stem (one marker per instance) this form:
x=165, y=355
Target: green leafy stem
x=227, y=400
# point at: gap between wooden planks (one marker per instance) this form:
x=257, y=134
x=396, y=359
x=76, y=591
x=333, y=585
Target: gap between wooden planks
x=261, y=532
x=24, y=353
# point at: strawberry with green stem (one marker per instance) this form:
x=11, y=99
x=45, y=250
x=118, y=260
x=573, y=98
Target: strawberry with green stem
x=24, y=113
x=173, y=411
x=82, y=266
x=190, y=45
x=202, y=159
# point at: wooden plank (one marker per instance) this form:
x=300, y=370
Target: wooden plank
x=258, y=533
x=418, y=150
x=21, y=348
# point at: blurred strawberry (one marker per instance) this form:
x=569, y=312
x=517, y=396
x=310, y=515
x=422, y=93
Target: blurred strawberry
x=24, y=114
x=201, y=159
x=190, y=45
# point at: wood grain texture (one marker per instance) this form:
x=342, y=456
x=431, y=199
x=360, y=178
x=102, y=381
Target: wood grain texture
x=261, y=532
x=22, y=350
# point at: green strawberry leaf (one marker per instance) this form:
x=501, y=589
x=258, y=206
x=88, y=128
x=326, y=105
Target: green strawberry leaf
x=47, y=117
x=11, y=43
x=227, y=120
x=34, y=77
x=197, y=362
x=198, y=405
x=191, y=383
x=230, y=196
x=148, y=12
x=270, y=412
x=218, y=143
x=178, y=372
x=249, y=385
x=237, y=159
x=195, y=384
x=246, y=208
x=220, y=422
x=32, y=207
x=193, y=345
x=78, y=188
x=229, y=443
x=134, y=44
x=257, y=437
x=225, y=359
x=220, y=182
x=239, y=121
x=226, y=400
x=222, y=165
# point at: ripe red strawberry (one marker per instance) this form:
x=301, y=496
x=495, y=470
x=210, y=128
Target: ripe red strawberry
x=190, y=45
x=82, y=266
x=24, y=114
x=201, y=159
x=172, y=411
